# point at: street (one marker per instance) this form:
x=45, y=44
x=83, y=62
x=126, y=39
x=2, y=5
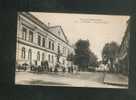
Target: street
x=80, y=79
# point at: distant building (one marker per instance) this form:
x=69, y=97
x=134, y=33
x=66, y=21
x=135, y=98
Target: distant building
x=39, y=42
x=122, y=58
x=120, y=62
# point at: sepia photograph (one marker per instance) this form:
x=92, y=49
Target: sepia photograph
x=72, y=50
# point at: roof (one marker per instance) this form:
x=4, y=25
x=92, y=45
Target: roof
x=59, y=27
x=34, y=19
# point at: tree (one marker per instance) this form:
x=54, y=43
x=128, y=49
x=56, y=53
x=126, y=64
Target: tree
x=109, y=53
x=84, y=57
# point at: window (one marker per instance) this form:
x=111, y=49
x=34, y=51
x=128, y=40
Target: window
x=23, y=53
x=43, y=56
x=43, y=42
x=39, y=40
x=30, y=54
x=58, y=48
x=30, y=36
x=24, y=33
x=38, y=56
x=52, y=45
x=49, y=44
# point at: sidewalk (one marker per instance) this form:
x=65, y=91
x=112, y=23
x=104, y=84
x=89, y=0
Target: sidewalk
x=116, y=79
x=26, y=78
x=82, y=79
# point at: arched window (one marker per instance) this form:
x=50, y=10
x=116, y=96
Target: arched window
x=23, y=53
x=38, y=56
x=30, y=54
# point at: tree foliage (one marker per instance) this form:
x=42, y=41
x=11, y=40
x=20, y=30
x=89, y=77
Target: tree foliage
x=84, y=57
x=110, y=52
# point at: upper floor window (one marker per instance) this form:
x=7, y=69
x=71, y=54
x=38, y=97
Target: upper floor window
x=39, y=40
x=58, y=48
x=49, y=44
x=43, y=42
x=23, y=53
x=30, y=36
x=52, y=45
x=24, y=33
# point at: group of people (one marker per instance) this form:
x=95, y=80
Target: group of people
x=48, y=67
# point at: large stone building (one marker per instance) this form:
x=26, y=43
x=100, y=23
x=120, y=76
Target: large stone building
x=39, y=42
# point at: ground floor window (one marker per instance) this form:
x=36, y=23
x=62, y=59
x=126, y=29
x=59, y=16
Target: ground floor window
x=38, y=56
x=30, y=54
x=23, y=53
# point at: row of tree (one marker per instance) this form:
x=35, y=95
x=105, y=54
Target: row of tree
x=110, y=53
x=85, y=58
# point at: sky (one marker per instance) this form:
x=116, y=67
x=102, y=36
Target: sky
x=98, y=29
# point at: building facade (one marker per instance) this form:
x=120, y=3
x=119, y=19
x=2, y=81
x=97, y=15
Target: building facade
x=119, y=63
x=37, y=42
x=122, y=59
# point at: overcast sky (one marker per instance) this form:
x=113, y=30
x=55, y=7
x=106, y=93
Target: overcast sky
x=98, y=29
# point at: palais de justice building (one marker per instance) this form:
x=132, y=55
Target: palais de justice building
x=38, y=42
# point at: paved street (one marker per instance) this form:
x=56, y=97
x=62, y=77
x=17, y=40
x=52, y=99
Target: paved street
x=80, y=79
